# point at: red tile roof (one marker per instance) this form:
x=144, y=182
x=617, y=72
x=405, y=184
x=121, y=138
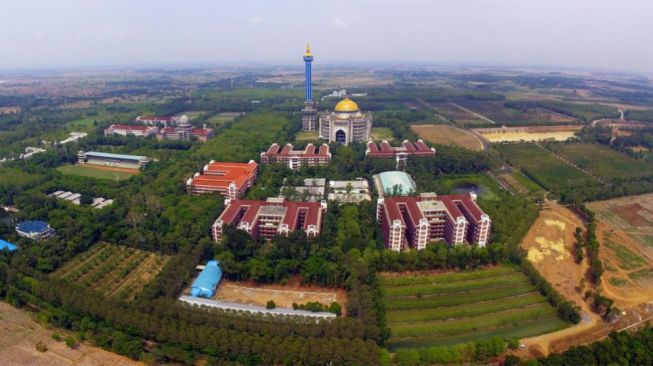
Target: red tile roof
x=220, y=175
x=385, y=150
x=251, y=208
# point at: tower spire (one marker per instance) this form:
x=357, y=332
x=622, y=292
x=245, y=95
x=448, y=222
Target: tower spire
x=308, y=49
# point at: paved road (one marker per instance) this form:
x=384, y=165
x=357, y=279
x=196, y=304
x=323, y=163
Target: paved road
x=252, y=308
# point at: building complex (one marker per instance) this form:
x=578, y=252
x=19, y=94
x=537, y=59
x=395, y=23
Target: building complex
x=35, y=230
x=156, y=120
x=414, y=221
x=294, y=159
x=274, y=216
x=231, y=180
x=185, y=131
x=399, y=153
x=131, y=130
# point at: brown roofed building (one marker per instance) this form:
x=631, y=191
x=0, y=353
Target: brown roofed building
x=311, y=155
x=414, y=221
x=269, y=218
x=231, y=180
x=400, y=153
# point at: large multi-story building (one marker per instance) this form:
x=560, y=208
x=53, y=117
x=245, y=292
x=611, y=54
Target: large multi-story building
x=399, y=153
x=131, y=130
x=269, y=218
x=309, y=113
x=346, y=123
x=414, y=221
x=112, y=160
x=231, y=180
x=311, y=155
x=184, y=131
x=156, y=120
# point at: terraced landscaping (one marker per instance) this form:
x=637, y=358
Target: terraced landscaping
x=113, y=270
x=444, y=309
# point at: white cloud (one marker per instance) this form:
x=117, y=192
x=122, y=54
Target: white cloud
x=257, y=19
x=339, y=23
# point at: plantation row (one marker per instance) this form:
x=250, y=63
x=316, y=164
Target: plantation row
x=452, y=308
x=455, y=286
x=448, y=299
x=446, y=277
x=113, y=270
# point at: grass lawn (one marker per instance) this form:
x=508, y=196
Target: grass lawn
x=382, y=133
x=222, y=118
x=449, y=308
x=307, y=136
x=94, y=172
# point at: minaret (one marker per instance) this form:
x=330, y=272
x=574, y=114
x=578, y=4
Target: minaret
x=309, y=112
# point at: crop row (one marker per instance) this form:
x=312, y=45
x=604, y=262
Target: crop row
x=518, y=329
x=452, y=299
x=447, y=277
x=457, y=286
x=459, y=326
x=397, y=317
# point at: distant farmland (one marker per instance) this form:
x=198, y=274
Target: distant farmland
x=543, y=167
x=113, y=270
x=448, y=135
x=602, y=161
x=444, y=309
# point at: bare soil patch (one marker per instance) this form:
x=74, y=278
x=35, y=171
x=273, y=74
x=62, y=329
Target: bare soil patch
x=448, y=135
x=630, y=213
x=535, y=133
x=252, y=293
x=19, y=334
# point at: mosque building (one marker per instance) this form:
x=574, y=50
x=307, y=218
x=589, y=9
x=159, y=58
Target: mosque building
x=346, y=124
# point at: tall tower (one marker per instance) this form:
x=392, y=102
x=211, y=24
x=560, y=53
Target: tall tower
x=309, y=113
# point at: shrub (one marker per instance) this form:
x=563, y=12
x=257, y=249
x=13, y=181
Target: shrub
x=71, y=342
x=270, y=305
x=56, y=336
x=41, y=347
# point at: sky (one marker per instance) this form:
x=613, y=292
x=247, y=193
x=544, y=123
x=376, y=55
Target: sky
x=585, y=34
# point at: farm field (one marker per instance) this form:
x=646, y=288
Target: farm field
x=458, y=116
x=115, y=271
x=191, y=114
x=96, y=171
x=625, y=231
x=602, y=161
x=426, y=309
x=535, y=133
x=542, y=166
x=252, y=293
x=499, y=113
x=20, y=334
x=448, y=135
x=382, y=133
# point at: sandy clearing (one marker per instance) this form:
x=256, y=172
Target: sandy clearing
x=448, y=135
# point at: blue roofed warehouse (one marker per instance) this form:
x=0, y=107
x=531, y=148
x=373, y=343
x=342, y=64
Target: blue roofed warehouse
x=206, y=283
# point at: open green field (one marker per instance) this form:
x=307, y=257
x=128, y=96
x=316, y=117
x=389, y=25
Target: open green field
x=382, y=133
x=304, y=136
x=602, y=161
x=113, y=270
x=449, y=308
x=222, y=118
x=95, y=172
x=542, y=166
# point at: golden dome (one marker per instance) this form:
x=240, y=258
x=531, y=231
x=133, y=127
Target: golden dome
x=346, y=105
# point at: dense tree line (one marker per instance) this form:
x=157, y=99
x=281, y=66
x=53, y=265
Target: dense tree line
x=480, y=351
x=621, y=348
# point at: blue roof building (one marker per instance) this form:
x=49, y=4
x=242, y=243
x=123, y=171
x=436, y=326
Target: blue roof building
x=35, y=230
x=7, y=245
x=206, y=283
